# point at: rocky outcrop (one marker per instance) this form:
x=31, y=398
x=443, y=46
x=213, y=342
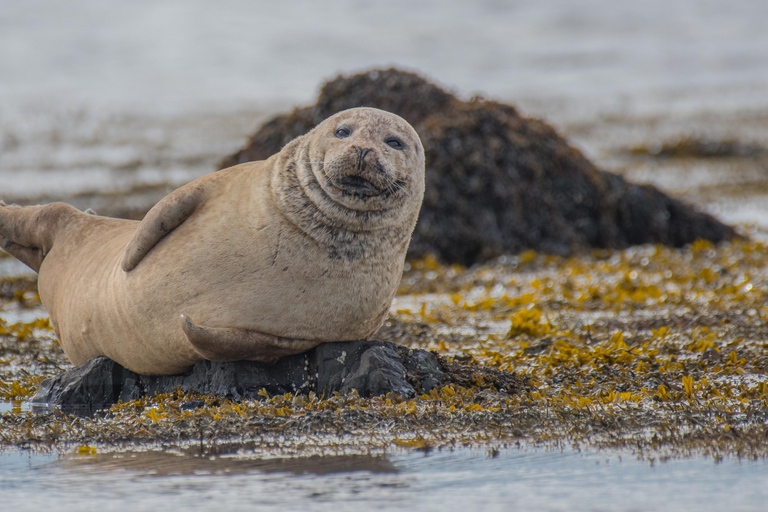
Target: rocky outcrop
x=498, y=182
x=371, y=368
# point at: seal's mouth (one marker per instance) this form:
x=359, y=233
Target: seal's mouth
x=357, y=186
x=354, y=190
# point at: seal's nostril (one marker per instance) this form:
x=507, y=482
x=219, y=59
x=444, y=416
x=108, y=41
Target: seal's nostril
x=361, y=152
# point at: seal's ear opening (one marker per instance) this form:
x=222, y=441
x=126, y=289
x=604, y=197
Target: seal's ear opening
x=235, y=344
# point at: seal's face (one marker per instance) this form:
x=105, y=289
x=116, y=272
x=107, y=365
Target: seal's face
x=369, y=160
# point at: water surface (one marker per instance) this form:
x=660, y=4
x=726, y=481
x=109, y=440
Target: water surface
x=464, y=479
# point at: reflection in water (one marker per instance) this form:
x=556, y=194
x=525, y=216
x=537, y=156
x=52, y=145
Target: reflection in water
x=462, y=479
x=20, y=406
x=162, y=464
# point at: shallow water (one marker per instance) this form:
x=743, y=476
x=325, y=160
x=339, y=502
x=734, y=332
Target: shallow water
x=464, y=479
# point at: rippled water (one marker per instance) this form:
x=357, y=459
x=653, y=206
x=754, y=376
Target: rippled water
x=464, y=479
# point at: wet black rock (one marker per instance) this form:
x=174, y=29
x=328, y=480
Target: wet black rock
x=497, y=182
x=371, y=368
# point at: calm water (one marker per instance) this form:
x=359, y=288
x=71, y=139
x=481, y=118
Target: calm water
x=460, y=480
x=182, y=54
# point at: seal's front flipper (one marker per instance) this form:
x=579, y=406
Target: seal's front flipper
x=163, y=218
x=217, y=344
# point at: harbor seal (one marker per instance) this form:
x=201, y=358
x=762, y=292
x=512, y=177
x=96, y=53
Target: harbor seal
x=253, y=262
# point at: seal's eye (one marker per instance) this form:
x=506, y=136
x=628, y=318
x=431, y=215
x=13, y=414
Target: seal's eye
x=343, y=132
x=394, y=142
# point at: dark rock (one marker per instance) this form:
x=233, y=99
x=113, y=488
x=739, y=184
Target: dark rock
x=379, y=371
x=423, y=369
x=84, y=389
x=191, y=405
x=371, y=368
x=497, y=182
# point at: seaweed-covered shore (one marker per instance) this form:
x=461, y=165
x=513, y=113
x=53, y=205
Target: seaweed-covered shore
x=658, y=350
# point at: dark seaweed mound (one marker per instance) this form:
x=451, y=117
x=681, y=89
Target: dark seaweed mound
x=498, y=182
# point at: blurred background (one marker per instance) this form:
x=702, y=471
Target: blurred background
x=111, y=105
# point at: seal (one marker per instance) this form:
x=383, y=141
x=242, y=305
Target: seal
x=253, y=262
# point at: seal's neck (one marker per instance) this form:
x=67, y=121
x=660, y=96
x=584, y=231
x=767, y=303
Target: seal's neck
x=346, y=234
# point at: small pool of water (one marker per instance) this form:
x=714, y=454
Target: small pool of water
x=18, y=407
x=464, y=479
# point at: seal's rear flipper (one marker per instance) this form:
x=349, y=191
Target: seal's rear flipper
x=217, y=344
x=163, y=218
x=28, y=233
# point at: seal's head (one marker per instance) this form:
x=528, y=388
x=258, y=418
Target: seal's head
x=362, y=168
x=367, y=159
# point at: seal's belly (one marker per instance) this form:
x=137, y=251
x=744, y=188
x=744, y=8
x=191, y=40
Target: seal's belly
x=274, y=283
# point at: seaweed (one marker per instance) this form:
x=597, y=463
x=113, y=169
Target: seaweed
x=658, y=350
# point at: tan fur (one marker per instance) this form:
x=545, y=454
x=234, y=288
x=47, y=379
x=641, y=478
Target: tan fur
x=273, y=253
